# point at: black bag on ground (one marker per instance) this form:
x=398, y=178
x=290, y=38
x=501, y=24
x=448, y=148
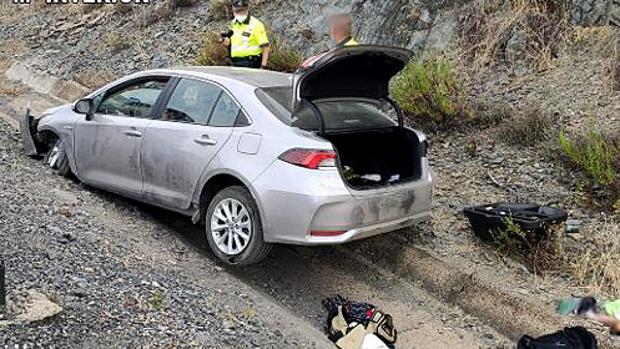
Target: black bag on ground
x=488, y=220
x=569, y=338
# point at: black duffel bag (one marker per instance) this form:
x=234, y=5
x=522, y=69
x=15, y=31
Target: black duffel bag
x=569, y=338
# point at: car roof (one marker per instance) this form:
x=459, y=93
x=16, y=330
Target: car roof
x=254, y=77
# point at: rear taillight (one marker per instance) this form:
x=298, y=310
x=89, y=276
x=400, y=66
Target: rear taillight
x=424, y=149
x=310, y=158
x=327, y=233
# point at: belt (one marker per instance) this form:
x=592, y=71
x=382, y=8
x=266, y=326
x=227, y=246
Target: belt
x=257, y=58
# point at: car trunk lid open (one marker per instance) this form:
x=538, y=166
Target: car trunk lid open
x=352, y=72
x=370, y=152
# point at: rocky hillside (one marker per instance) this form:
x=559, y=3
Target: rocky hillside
x=76, y=41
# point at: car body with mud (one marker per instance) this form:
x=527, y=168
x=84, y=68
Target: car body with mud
x=318, y=157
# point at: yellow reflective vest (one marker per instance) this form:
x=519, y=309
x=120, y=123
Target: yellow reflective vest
x=248, y=39
x=350, y=41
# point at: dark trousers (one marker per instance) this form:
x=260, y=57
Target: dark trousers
x=248, y=62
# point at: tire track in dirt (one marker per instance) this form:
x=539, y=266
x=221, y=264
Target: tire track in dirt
x=300, y=277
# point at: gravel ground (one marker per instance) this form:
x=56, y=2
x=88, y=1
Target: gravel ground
x=119, y=285
x=130, y=275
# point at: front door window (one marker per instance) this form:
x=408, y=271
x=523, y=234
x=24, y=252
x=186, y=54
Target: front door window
x=135, y=101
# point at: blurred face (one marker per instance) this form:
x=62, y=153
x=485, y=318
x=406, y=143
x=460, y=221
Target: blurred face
x=333, y=32
x=241, y=11
x=340, y=27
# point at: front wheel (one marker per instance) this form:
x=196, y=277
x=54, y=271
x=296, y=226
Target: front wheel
x=234, y=229
x=57, y=160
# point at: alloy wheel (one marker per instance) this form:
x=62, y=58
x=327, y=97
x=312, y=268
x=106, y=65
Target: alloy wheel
x=231, y=226
x=54, y=156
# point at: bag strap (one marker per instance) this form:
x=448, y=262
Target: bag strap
x=526, y=342
x=385, y=329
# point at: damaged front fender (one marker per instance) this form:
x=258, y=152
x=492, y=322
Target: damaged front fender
x=28, y=130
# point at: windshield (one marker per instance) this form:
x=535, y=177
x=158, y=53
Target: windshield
x=340, y=115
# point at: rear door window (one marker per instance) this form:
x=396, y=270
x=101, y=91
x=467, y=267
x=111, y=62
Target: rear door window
x=225, y=112
x=192, y=101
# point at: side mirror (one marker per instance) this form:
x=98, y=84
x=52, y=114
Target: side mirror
x=86, y=107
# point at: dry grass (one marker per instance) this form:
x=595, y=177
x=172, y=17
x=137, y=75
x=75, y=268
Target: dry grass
x=541, y=254
x=598, y=265
x=213, y=52
x=284, y=56
x=123, y=9
x=601, y=42
x=220, y=9
x=182, y=3
x=93, y=79
x=11, y=91
x=39, y=5
x=88, y=8
x=532, y=30
x=616, y=75
x=614, y=68
x=13, y=47
x=160, y=11
x=115, y=42
x=527, y=128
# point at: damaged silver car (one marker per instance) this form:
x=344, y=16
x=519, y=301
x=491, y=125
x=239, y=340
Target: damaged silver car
x=318, y=157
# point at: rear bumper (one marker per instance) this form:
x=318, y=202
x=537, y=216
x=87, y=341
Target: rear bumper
x=314, y=207
x=368, y=231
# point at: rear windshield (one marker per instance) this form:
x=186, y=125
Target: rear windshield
x=339, y=115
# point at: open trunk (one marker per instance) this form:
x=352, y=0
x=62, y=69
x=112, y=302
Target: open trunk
x=375, y=158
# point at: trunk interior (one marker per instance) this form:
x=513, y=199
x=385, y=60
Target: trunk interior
x=370, y=159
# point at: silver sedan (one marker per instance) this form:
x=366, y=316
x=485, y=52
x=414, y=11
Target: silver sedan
x=258, y=157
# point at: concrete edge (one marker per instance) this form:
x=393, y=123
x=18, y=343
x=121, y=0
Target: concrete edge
x=9, y=120
x=60, y=90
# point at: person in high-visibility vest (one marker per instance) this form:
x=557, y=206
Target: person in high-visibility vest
x=247, y=38
x=341, y=30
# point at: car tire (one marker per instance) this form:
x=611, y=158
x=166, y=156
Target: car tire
x=233, y=227
x=57, y=160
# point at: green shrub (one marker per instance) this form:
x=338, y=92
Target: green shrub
x=428, y=92
x=213, y=52
x=598, y=155
x=284, y=57
x=594, y=153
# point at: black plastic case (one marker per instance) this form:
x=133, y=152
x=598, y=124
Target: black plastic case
x=488, y=220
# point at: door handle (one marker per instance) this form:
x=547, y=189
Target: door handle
x=205, y=140
x=133, y=133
